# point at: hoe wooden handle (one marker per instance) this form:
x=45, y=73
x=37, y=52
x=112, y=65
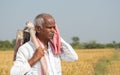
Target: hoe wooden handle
x=30, y=27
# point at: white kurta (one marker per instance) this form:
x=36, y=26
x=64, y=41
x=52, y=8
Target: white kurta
x=26, y=51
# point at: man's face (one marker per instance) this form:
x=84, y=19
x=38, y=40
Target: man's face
x=48, y=31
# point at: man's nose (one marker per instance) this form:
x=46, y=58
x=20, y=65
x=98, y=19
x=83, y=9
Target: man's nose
x=52, y=29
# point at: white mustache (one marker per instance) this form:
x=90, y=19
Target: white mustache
x=51, y=33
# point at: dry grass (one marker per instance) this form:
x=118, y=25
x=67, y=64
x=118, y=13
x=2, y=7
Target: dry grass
x=86, y=63
x=84, y=66
x=5, y=62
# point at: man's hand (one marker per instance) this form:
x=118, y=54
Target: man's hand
x=37, y=56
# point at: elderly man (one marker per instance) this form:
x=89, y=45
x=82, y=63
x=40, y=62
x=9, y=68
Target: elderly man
x=52, y=48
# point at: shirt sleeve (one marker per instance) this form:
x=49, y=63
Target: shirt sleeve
x=67, y=52
x=20, y=65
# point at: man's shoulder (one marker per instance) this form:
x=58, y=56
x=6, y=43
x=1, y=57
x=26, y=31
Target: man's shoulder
x=27, y=45
x=25, y=50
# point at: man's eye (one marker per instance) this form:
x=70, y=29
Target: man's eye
x=49, y=27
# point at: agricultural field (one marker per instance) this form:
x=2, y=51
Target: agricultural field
x=90, y=62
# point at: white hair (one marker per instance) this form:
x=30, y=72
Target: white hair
x=42, y=19
x=39, y=21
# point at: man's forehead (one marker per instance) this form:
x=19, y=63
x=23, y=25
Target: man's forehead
x=49, y=25
x=50, y=22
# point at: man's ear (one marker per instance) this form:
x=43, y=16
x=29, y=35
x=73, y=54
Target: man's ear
x=37, y=28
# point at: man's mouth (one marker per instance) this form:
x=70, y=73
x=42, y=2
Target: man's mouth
x=51, y=34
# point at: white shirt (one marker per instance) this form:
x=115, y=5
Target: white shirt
x=26, y=51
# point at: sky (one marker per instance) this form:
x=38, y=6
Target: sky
x=90, y=20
